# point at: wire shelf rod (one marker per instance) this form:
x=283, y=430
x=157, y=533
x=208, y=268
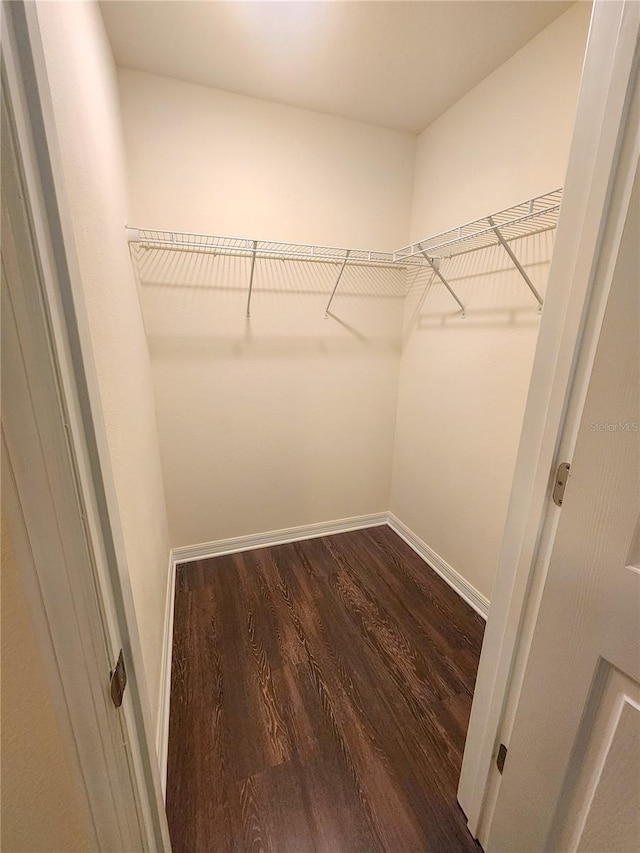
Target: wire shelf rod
x=487, y=245
x=534, y=216
x=418, y=248
x=244, y=247
x=522, y=220
x=276, y=256
x=538, y=214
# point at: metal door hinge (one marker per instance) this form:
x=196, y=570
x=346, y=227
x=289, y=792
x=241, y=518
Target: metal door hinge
x=562, y=475
x=118, y=681
x=502, y=754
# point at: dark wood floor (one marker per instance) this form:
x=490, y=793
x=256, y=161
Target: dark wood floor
x=319, y=701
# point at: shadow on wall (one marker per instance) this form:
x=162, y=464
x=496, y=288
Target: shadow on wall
x=181, y=269
x=196, y=303
x=187, y=348
x=493, y=291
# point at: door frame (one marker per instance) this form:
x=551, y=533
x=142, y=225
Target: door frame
x=569, y=332
x=64, y=614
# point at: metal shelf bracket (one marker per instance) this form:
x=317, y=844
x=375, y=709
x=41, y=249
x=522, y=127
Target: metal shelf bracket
x=434, y=263
x=253, y=269
x=335, y=286
x=515, y=260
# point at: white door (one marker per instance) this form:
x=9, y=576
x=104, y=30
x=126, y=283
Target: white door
x=53, y=485
x=41, y=500
x=571, y=779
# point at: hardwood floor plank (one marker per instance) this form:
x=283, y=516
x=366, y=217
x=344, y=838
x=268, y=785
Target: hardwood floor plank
x=319, y=701
x=401, y=728
x=273, y=813
x=204, y=793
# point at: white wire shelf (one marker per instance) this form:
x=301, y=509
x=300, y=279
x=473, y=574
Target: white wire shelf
x=523, y=220
x=183, y=241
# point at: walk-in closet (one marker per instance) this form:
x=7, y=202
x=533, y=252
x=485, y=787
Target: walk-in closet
x=314, y=242
x=341, y=319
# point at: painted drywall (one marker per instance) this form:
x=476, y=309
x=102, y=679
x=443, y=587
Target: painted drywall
x=279, y=420
x=204, y=160
x=42, y=804
x=375, y=62
x=86, y=113
x=287, y=418
x=463, y=383
x=508, y=139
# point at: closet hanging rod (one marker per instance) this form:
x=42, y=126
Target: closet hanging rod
x=182, y=241
x=522, y=220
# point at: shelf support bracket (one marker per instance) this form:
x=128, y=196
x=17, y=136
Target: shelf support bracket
x=516, y=262
x=253, y=269
x=435, y=266
x=335, y=286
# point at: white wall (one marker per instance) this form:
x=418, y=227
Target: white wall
x=288, y=418
x=85, y=101
x=205, y=160
x=281, y=420
x=508, y=139
x=463, y=383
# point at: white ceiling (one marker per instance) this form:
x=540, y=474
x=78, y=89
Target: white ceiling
x=395, y=64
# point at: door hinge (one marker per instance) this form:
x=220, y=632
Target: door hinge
x=562, y=475
x=118, y=681
x=502, y=754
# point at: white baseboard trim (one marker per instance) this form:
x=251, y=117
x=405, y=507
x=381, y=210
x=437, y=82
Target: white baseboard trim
x=276, y=537
x=162, y=732
x=455, y=580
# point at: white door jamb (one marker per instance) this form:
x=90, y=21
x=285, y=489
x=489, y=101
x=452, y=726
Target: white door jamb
x=570, y=326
